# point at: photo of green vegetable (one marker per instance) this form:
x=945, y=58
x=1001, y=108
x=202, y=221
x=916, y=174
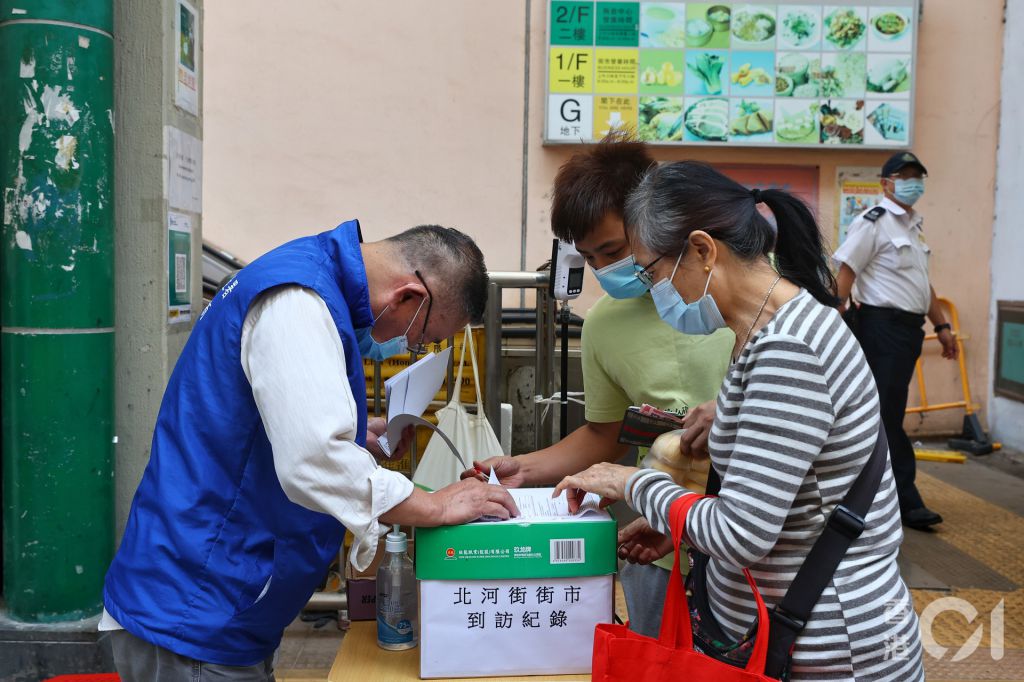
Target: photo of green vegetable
x=707, y=72
x=661, y=119
x=799, y=27
x=845, y=28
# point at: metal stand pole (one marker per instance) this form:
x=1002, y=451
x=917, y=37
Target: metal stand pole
x=563, y=424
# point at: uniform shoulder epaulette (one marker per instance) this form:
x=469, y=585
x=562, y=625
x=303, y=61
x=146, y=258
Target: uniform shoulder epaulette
x=874, y=214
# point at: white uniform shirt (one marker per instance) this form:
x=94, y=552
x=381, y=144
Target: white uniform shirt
x=293, y=358
x=890, y=258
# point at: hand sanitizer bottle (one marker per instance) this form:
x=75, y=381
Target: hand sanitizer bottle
x=397, y=621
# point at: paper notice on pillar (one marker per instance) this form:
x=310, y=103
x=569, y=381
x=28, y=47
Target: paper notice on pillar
x=186, y=60
x=179, y=267
x=485, y=628
x=184, y=170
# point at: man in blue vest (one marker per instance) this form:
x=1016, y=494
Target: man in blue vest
x=260, y=457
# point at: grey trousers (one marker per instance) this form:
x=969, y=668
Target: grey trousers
x=644, y=588
x=137, y=660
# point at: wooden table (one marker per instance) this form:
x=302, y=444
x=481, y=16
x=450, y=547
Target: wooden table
x=360, y=659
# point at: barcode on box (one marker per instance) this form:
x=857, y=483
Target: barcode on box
x=180, y=266
x=567, y=551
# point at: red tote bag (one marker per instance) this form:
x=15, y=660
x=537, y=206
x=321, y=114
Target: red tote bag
x=624, y=656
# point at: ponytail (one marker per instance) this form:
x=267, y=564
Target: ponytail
x=799, y=252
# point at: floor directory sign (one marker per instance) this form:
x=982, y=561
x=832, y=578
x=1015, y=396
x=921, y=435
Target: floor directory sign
x=800, y=74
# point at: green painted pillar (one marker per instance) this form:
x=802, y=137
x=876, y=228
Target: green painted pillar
x=57, y=178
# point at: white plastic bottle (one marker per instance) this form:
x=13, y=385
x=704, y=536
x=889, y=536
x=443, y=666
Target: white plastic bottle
x=397, y=620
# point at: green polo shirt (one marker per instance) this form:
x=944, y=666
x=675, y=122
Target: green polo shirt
x=632, y=357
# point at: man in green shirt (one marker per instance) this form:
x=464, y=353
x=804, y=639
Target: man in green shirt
x=630, y=357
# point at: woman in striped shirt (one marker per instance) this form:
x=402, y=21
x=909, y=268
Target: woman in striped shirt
x=797, y=419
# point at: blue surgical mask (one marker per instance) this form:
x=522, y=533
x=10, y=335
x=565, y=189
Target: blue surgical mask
x=372, y=349
x=619, y=279
x=907, y=191
x=700, y=317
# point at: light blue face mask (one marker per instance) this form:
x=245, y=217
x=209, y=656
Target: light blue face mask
x=619, y=279
x=372, y=349
x=700, y=317
x=908, y=191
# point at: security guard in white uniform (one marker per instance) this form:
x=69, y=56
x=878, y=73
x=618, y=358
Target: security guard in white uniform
x=884, y=263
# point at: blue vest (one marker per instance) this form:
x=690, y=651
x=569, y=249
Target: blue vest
x=215, y=559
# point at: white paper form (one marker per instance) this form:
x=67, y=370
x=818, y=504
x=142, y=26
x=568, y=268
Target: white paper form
x=537, y=506
x=410, y=391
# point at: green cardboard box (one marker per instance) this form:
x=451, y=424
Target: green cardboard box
x=534, y=549
x=490, y=591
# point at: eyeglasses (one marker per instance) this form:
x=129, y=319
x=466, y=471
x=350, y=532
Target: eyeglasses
x=419, y=349
x=645, y=275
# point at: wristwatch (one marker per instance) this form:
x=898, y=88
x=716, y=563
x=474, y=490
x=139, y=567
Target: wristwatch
x=944, y=325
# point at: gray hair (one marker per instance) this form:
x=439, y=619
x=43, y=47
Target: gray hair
x=453, y=261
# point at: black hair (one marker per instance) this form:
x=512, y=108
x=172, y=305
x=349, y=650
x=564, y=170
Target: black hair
x=676, y=199
x=594, y=183
x=452, y=260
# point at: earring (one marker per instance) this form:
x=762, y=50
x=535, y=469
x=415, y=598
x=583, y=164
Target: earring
x=707, y=268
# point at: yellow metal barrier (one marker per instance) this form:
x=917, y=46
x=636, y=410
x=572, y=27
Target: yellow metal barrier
x=973, y=438
x=966, y=404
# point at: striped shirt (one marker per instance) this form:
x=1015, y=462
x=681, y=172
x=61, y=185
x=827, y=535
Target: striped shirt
x=797, y=418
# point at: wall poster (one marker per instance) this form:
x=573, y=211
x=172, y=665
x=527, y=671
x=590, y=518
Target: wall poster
x=798, y=74
x=179, y=267
x=186, y=60
x=859, y=188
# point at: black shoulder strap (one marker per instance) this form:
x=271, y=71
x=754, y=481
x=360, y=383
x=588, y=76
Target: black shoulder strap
x=874, y=214
x=844, y=525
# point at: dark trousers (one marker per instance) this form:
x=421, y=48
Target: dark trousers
x=892, y=340
x=137, y=660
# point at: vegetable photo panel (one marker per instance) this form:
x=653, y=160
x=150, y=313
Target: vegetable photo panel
x=799, y=27
x=792, y=69
x=707, y=72
x=753, y=27
x=842, y=74
x=841, y=121
x=752, y=74
x=661, y=72
x=890, y=29
x=707, y=25
x=888, y=123
x=706, y=119
x=661, y=119
x=889, y=76
x=845, y=28
x=662, y=24
x=751, y=120
x=796, y=121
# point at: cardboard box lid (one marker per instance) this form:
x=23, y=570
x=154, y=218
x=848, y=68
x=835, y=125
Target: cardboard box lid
x=547, y=549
